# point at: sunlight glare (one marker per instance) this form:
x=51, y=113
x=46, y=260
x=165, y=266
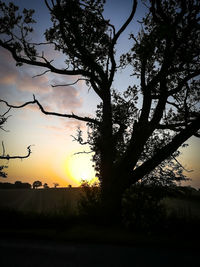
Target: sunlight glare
x=79, y=168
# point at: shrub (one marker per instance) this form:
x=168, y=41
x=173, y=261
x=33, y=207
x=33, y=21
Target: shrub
x=89, y=203
x=142, y=207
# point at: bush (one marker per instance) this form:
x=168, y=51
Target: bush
x=142, y=208
x=89, y=204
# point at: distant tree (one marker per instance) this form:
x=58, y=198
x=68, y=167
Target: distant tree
x=20, y=185
x=45, y=185
x=6, y=186
x=16, y=185
x=37, y=184
x=26, y=185
x=131, y=139
x=55, y=185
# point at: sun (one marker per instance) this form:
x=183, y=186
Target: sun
x=79, y=167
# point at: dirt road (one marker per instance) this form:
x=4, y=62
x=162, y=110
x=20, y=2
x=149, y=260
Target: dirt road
x=27, y=253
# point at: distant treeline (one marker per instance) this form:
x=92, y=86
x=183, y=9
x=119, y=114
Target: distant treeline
x=16, y=185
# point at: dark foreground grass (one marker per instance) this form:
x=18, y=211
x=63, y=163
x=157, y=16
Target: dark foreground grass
x=175, y=233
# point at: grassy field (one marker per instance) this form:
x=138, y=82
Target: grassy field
x=50, y=200
x=58, y=200
x=49, y=214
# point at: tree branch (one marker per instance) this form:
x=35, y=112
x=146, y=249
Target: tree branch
x=7, y=157
x=181, y=165
x=183, y=82
x=166, y=151
x=46, y=64
x=35, y=101
x=114, y=40
x=172, y=126
x=38, y=75
x=126, y=23
x=69, y=84
x=83, y=152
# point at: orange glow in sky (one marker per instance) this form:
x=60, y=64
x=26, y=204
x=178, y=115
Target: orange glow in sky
x=79, y=168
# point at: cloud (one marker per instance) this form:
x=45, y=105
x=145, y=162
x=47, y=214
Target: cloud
x=21, y=78
x=72, y=125
x=67, y=125
x=60, y=99
x=66, y=128
x=63, y=99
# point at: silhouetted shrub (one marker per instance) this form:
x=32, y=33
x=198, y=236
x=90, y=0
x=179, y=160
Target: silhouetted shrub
x=142, y=207
x=89, y=204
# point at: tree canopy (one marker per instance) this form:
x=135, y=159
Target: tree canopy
x=131, y=141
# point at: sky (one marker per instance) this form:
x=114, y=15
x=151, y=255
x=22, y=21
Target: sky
x=53, y=158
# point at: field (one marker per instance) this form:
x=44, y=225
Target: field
x=48, y=214
x=55, y=200
x=50, y=200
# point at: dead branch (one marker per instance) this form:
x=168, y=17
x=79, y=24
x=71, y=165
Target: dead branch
x=8, y=157
x=181, y=165
x=69, y=84
x=38, y=75
x=70, y=116
x=83, y=152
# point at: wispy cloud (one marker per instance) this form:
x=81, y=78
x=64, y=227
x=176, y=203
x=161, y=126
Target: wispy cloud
x=60, y=99
x=63, y=99
x=21, y=78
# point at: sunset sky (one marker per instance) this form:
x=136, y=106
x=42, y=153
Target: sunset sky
x=52, y=159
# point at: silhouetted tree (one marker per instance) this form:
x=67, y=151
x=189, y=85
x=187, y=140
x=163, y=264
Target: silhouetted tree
x=20, y=185
x=37, y=184
x=56, y=185
x=45, y=185
x=16, y=185
x=130, y=138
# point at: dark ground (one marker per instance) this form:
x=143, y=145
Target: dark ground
x=34, y=240
x=35, y=253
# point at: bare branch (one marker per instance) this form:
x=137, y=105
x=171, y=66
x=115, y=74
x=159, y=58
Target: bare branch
x=38, y=75
x=46, y=64
x=181, y=165
x=48, y=6
x=6, y=113
x=3, y=149
x=114, y=40
x=80, y=141
x=8, y=157
x=69, y=84
x=166, y=151
x=183, y=82
x=174, y=105
x=83, y=152
x=70, y=116
x=3, y=119
x=172, y=126
x=126, y=23
x=197, y=135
